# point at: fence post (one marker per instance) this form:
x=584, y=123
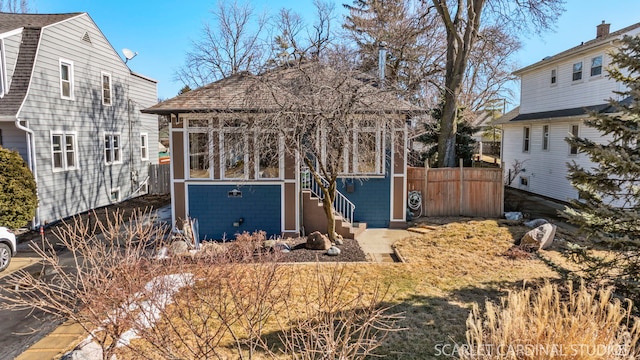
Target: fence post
x=461, y=195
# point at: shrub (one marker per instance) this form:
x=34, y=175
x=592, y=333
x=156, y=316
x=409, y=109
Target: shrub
x=18, y=199
x=552, y=324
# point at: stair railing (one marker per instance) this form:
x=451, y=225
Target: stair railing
x=341, y=205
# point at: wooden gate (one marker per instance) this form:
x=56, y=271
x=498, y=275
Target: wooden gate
x=477, y=192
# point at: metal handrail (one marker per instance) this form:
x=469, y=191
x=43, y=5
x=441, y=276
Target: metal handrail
x=341, y=205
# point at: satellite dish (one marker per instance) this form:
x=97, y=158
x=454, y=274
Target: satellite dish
x=128, y=54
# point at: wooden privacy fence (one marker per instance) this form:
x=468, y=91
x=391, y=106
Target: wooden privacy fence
x=159, y=179
x=458, y=191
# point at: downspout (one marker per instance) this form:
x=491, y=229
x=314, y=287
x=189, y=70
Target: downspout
x=31, y=150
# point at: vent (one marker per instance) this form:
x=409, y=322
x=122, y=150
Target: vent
x=86, y=38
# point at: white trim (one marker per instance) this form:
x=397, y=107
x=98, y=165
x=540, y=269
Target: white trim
x=172, y=180
x=63, y=151
x=112, y=135
x=3, y=70
x=71, y=80
x=102, y=76
x=9, y=33
x=145, y=136
x=232, y=182
x=187, y=151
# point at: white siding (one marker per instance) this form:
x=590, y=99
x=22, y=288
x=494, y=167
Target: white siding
x=66, y=193
x=546, y=169
x=13, y=139
x=11, y=47
x=537, y=94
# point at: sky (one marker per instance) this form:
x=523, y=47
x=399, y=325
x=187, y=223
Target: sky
x=162, y=31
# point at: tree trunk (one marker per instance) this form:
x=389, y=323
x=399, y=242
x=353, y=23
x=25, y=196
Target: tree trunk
x=327, y=205
x=448, y=130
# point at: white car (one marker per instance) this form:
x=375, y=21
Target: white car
x=7, y=247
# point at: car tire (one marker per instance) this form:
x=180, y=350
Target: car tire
x=5, y=256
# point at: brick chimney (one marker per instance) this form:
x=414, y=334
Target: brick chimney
x=602, y=30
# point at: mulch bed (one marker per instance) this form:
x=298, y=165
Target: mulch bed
x=350, y=251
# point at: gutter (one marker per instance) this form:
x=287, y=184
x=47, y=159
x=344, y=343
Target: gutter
x=31, y=150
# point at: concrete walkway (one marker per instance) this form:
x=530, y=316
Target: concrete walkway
x=377, y=243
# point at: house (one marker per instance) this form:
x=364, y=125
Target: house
x=557, y=94
x=220, y=175
x=71, y=107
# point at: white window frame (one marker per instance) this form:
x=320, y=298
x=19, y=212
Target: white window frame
x=102, y=88
x=256, y=155
x=112, y=135
x=63, y=151
x=574, y=72
x=553, y=78
x=523, y=182
x=545, y=137
x=68, y=63
x=116, y=191
x=144, y=146
x=573, y=152
x=379, y=168
x=223, y=159
x=594, y=67
x=526, y=139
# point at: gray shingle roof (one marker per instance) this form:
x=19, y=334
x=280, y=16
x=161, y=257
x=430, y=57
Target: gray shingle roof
x=32, y=24
x=515, y=116
x=276, y=89
x=10, y=21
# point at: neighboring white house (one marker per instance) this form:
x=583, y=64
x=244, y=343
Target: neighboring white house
x=556, y=95
x=71, y=107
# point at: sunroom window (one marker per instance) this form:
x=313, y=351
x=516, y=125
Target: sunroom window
x=199, y=155
x=268, y=155
x=367, y=148
x=234, y=154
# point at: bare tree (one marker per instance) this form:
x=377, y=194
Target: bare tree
x=462, y=20
x=330, y=116
x=231, y=44
x=15, y=6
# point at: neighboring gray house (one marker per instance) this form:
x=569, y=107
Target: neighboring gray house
x=71, y=107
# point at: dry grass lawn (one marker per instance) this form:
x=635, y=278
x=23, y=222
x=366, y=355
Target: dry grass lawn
x=446, y=271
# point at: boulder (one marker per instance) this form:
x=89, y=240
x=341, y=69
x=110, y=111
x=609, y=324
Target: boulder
x=535, y=223
x=179, y=247
x=540, y=237
x=333, y=251
x=513, y=215
x=317, y=241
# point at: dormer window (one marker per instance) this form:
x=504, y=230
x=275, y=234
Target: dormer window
x=596, y=66
x=553, y=76
x=577, y=71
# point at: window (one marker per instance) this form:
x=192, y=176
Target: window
x=596, y=66
x=234, y=155
x=112, y=148
x=66, y=79
x=577, y=71
x=106, y=89
x=526, y=137
x=114, y=196
x=367, y=149
x=573, y=150
x=268, y=155
x=144, y=146
x=545, y=137
x=63, y=151
x=524, y=181
x=553, y=76
x=199, y=155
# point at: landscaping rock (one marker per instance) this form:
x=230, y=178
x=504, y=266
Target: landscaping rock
x=179, y=247
x=513, y=215
x=540, y=237
x=317, y=241
x=535, y=223
x=339, y=240
x=333, y=251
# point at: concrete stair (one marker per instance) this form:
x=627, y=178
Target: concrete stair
x=314, y=219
